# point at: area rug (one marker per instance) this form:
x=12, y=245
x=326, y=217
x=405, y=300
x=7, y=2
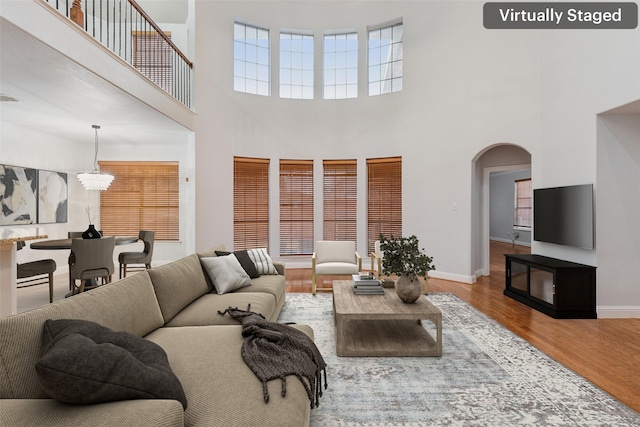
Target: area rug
x=487, y=376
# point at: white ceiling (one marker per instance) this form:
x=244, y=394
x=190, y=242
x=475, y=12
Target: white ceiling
x=58, y=96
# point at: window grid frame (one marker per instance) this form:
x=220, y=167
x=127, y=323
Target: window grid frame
x=252, y=66
x=385, y=75
x=297, y=77
x=332, y=87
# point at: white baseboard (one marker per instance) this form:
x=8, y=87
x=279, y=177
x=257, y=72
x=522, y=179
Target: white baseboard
x=515, y=242
x=618, y=312
x=452, y=276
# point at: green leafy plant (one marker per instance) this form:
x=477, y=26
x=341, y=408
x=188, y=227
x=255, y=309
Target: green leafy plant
x=403, y=257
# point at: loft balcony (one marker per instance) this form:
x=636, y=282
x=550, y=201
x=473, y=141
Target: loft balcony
x=123, y=27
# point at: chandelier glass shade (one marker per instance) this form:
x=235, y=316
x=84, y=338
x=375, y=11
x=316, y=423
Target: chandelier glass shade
x=95, y=180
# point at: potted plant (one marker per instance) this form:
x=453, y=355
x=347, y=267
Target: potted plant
x=404, y=258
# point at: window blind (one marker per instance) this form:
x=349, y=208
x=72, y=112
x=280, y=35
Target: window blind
x=384, y=205
x=143, y=196
x=153, y=57
x=340, y=195
x=296, y=207
x=250, y=203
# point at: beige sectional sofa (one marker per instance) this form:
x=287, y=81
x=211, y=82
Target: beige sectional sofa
x=176, y=307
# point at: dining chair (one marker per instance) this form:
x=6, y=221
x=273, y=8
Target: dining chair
x=72, y=258
x=334, y=258
x=93, y=260
x=35, y=272
x=144, y=257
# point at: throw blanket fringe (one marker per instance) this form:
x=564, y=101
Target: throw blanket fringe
x=275, y=350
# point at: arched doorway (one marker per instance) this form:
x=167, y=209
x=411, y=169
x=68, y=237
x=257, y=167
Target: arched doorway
x=498, y=158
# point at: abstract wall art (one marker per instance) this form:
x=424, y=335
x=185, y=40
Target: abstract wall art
x=52, y=197
x=18, y=189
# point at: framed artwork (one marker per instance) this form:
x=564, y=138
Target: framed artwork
x=18, y=189
x=52, y=197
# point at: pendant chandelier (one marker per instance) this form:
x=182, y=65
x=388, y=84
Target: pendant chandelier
x=95, y=180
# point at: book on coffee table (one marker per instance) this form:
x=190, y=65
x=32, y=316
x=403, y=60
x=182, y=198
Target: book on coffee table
x=367, y=285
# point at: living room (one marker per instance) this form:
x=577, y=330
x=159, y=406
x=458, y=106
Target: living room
x=472, y=98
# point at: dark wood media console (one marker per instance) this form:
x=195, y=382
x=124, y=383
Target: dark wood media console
x=560, y=289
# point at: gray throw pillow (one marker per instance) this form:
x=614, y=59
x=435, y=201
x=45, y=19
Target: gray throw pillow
x=243, y=257
x=84, y=362
x=226, y=273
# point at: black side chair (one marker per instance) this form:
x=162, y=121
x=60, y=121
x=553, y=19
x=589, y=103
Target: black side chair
x=31, y=273
x=143, y=257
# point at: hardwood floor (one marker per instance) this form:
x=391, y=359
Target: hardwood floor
x=604, y=351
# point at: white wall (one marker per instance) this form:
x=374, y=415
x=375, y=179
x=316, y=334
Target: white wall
x=25, y=147
x=465, y=88
x=618, y=213
x=585, y=73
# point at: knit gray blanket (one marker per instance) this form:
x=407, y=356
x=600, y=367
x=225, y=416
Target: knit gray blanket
x=275, y=350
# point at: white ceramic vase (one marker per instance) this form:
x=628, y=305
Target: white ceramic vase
x=407, y=289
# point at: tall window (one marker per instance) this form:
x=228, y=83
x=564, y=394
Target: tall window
x=251, y=59
x=153, y=57
x=385, y=58
x=341, y=66
x=296, y=66
x=340, y=195
x=296, y=207
x=143, y=196
x=384, y=205
x=250, y=203
x=523, y=203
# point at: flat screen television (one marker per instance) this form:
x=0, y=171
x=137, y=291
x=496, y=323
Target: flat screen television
x=564, y=215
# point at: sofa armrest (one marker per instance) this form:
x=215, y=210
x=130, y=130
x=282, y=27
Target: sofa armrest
x=280, y=267
x=50, y=412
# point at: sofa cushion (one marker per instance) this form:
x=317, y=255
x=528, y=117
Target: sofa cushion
x=245, y=261
x=177, y=284
x=84, y=362
x=262, y=260
x=126, y=305
x=218, y=384
x=336, y=268
x=51, y=413
x=226, y=273
x=269, y=284
x=204, y=310
x=211, y=251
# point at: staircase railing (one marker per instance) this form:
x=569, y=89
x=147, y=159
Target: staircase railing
x=126, y=29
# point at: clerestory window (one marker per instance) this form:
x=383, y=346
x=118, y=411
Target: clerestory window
x=340, y=66
x=296, y=66
x=251, y=64
x=385, y=59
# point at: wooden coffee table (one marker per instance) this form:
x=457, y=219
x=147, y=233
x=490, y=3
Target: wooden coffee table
x=382, y=325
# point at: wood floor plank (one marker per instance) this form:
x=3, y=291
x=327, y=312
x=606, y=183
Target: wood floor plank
x=604, y=351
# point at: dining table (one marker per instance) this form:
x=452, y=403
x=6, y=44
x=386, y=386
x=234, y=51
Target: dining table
x=54, y=244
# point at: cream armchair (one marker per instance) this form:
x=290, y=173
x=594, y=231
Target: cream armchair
x=376, y=258
x=334, y=258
